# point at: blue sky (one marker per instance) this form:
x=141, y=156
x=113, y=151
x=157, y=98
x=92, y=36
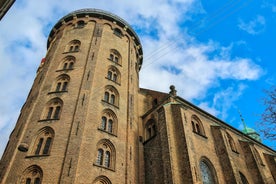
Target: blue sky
x=220, y=54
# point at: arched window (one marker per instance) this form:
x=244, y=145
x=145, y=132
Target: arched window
x=73, y=46
x=62, y=83
x=118, y=32
x=150, y=129
x=115, y=56
x=208, y=175
x=67, y=63
x=100, y=157
x=105, y=154
x=111, y=96
x=109, y=121
x=197, y=126
x=43, y=141
x=231, y=143
x=102, y=180
x=257, y=156
x=243, y=179
x=32, y=175
x=80, y=24
x=113, y=74
x=53, y=109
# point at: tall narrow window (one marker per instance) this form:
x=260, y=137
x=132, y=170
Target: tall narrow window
x=37, y=181
x=115, y=56
x=39, y=145
x=50, y=111
x=243, y=179
x=112, y=99
x=113, y=74
x=109, y=75
x=106, y=154
x=58, y=86
x=43, y=141
x=57, y=111
x=28, y=181
x=110, y=125
x=53, y=109
x=106, y=96
x=150, y=129
x=197, y=126
x=62, y=83
x=47, y=145
x=100, y=157
x=207, y=173
x=71, y=65
x=231, y=142
x=107, y=159
x=68, y=62
x=114, y=78
x=111, y=96
x=103, y=123
x=64, y=86
x=32, y=175
x=73, y=46
x=65, y=66
x=109, y=122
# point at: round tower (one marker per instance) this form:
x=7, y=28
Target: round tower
x=79, y=123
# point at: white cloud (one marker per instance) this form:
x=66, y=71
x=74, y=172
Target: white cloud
x=253, y=27
x=174, y=57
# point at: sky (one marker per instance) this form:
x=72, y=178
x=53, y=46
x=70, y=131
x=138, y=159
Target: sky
x=219, y=54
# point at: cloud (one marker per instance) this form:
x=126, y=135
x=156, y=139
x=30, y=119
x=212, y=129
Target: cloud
x=253, y=27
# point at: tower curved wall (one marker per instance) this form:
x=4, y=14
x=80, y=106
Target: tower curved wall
x=82, y=102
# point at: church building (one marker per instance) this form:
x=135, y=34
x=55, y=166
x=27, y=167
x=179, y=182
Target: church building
x=86, y=120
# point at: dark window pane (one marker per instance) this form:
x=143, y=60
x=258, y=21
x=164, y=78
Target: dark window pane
x=57, y=111
x=100, y=157
x=38, y=147
x=115, y=77
x=107, y=159
x=58, y=86
x=65, y=66
x=103, y=123
x=110, y=125
x=50, y=111
x=64, y=87
x=37, y=181
x=71, y=65
x=106, y=96
x=47, y=145
x=109, y=74
x=28, y=181
x=112, y=99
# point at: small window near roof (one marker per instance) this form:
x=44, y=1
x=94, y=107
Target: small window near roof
x=118, y=32
x=80, y=24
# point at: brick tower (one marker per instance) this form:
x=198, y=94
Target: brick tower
x=78, y=124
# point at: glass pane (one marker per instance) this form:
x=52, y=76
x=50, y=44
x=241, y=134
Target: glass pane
x=56, y=115
x=38, y=147
x=50, y=111
x=100, y=157
x=206, y=173
x=107, y=159
x=37, y=181
x=103, y=123
x=47, y=146
x=110, y=124
x=28, y=181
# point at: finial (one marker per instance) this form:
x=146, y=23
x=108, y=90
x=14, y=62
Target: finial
x=173, y=91
x=243, y=122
